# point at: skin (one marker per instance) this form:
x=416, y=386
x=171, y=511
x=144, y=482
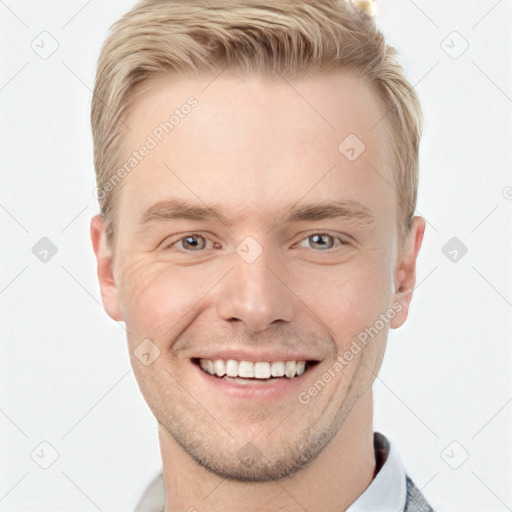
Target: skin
x=257, y=147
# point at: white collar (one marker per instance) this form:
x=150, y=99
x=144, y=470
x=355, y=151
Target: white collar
x=388, y=490
x=386, y=493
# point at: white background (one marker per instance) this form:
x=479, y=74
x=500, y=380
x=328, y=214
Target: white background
x=65, y=374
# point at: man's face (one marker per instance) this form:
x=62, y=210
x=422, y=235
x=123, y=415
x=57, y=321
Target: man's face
x=272, y=276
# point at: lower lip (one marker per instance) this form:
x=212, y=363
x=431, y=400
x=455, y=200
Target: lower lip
x=264, y=390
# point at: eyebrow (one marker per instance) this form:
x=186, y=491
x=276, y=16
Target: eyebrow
x=172, y=209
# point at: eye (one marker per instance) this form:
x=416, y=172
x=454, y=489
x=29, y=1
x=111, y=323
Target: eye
x=322, y=241
x=192, y=242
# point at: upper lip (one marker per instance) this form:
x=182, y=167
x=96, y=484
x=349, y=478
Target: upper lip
x=269, y=356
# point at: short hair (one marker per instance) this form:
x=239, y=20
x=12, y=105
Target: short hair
x=267, y=38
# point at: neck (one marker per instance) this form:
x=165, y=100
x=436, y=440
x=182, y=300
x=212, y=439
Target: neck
x=335, y=479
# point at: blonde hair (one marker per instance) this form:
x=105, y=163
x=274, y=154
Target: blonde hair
x=297, y=39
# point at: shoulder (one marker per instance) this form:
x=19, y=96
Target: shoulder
x=415, y=501
x=153, y=499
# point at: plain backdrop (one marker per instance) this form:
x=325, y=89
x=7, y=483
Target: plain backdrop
x=444, y=392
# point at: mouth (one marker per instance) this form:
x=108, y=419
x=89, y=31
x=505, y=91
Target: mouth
x=247, y=372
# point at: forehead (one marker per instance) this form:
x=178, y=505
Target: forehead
x=254, y=143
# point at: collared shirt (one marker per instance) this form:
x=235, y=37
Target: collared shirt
x=386, y=493
x=388, y=490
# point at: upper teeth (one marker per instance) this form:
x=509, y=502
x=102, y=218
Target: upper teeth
x=248, y=369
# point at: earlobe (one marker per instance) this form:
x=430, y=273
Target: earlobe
x=106, y=280
x=405, y=273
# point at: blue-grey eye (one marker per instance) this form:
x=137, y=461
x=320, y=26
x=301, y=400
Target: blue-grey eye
x=317, y=243
x=191, y=242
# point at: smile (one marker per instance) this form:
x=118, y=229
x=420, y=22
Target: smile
x=234, y=370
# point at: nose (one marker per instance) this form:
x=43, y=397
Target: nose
x=255, y=293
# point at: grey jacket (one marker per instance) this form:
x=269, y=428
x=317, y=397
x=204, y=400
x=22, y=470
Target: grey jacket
x=415, y=502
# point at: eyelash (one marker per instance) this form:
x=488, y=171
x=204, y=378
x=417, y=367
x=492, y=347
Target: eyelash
x=321, y=233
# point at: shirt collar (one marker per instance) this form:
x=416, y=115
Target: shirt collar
x=388, y=490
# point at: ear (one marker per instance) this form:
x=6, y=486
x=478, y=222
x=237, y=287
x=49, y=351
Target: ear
x=405, y=273
x=104, y=268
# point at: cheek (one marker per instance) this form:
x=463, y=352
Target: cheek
x=158, y=299
x=348, y=298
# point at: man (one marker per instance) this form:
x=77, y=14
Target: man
x=257, y=166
